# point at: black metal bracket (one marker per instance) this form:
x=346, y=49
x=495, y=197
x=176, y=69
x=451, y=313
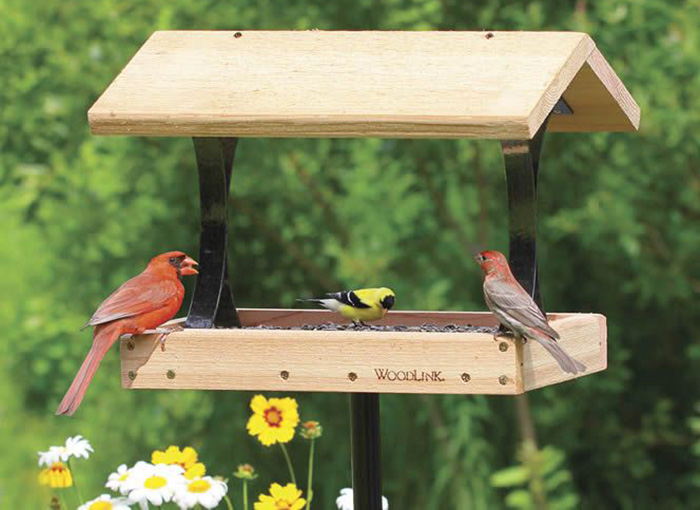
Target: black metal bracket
x=212, y=302
x=366, y=451
x=562, y=108
x=522, y=162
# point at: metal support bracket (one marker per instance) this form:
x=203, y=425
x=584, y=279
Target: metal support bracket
x=562, y=108
x=212, y=302
x=522, y=162
x=366, y=451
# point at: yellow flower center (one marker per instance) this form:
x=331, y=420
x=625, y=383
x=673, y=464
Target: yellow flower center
x=273, y=417
x=101, y=505
x=124, y=477
x=199, y=486
x=283, y=505
x=155, y=482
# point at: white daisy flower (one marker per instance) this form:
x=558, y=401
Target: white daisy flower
x=106, y=502
x=75, y=447
x=205, y=491
x=78, y=447
x=49, y=458
x=117, y=480
x=346, y=502
x=156, y=485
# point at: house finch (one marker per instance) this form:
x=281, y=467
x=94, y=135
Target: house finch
x=517, y=311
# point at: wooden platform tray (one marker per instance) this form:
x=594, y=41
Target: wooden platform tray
x=360, y=84
x=359, y=361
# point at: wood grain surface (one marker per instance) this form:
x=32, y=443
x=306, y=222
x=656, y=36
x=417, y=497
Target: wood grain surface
x=362, y=84
x=358, y=361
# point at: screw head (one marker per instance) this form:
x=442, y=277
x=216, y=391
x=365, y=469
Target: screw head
x=503, y=347
x=132, y=375
x=466, y=377
x=503, y=380
x=237, y=35
x=170, y=374
x=284, y=375
x=352, y=376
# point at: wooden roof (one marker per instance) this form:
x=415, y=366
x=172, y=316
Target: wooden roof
x=363, y=84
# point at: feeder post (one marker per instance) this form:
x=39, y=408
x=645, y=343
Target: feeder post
x=366, y=451
x=212, y=301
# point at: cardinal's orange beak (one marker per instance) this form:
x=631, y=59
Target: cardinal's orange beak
x=187, y=267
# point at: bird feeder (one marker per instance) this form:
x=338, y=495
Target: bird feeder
x=218, y=87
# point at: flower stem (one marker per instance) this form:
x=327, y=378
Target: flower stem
x=289, y=463
x=228, y=502
x=245, y=494
x=75, y=484
x=63, y=501
x=309, y=490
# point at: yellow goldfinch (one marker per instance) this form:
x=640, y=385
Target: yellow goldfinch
x=359, y=305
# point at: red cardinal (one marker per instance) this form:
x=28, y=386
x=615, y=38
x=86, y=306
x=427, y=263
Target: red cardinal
x=517, y=311
x=142, y=303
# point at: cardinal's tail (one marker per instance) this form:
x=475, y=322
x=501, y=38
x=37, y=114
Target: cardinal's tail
x=103, y=339
x=566, y=362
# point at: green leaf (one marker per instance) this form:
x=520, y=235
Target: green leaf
x=511, y=476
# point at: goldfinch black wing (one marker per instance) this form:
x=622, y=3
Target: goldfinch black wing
x=348, y=297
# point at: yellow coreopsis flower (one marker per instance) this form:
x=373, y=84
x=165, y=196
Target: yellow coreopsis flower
x=57, y=476
x=186, y=459
x=281, y=498
x=273, y=420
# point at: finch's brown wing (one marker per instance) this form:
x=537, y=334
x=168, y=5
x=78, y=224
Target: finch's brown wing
x=142, y=294
x=510, y=298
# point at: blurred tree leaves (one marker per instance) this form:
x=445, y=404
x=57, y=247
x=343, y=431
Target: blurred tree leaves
x=539, y=472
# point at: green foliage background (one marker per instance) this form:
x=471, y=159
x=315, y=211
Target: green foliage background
x=619, y=235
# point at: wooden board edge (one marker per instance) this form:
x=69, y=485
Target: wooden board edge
x=617, y=89
x=368, y=126
x=594, y=363
x=292, y=362
x=560, y=81
x=519, y=369
x=93, y=112
x=292, y=350
x=286, y=317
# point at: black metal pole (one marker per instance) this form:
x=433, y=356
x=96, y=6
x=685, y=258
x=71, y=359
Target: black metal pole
x=366, y=451
x=212, y=301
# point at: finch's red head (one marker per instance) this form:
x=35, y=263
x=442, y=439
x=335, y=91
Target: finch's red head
x=491, y=261
x=177, y=260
